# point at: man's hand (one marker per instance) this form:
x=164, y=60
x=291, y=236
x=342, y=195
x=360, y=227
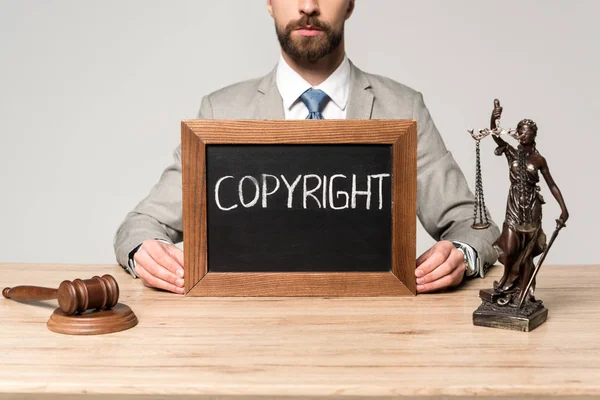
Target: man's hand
x=160, y=265
x=441, y=266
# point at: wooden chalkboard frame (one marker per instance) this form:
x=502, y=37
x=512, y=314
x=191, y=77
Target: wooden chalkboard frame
x=400, y=134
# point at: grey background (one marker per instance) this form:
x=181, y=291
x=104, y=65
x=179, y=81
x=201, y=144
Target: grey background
x=92, y=94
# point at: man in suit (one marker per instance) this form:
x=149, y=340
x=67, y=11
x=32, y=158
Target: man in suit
x=315, y=79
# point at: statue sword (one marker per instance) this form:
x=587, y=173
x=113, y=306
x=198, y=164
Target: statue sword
x=559, y=226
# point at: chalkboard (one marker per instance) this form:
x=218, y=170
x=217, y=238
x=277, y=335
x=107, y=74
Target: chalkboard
x=299, y=208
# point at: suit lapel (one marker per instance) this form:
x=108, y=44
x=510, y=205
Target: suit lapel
x=360, y=100
x=269, y=104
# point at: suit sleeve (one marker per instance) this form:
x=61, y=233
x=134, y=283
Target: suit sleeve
x=159, y=215
x=444, y=202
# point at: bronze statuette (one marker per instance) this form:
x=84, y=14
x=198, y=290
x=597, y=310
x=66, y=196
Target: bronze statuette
x=511, y=303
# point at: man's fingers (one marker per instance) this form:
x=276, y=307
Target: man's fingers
x=176, y=253
x=453, y=279
x=158, y=271
x=425, y=256
x=433, y=258
x=450, y=264
x=164, y=258
x=152, y=281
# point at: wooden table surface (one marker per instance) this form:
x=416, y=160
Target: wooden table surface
x=424, y=346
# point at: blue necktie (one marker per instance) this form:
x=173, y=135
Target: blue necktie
x=315, y=100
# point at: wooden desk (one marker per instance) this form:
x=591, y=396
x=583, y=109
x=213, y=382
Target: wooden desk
x=423, y=346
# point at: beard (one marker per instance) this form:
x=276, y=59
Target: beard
x=313, y=48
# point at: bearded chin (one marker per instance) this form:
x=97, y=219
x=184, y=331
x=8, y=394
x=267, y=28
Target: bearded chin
x=309, y=49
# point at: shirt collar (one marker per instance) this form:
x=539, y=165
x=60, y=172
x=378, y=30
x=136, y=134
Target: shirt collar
x=291, y=85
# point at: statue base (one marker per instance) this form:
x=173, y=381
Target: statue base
x=492, y=315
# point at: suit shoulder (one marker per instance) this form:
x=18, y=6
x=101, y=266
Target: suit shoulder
x=234, y=101
x=393, y=99
x=235, y=91
x=390, y=87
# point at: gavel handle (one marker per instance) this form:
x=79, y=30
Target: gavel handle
x=30, y=293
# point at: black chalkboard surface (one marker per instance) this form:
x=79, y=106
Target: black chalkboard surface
x=299, y=208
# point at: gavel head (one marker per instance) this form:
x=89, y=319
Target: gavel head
x=82, y=295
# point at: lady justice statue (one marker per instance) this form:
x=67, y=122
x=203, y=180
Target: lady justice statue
x=511, y=304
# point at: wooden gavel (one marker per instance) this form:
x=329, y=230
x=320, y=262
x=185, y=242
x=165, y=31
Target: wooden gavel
x=73, y=297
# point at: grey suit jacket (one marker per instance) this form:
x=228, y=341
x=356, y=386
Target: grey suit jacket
x=444, y=201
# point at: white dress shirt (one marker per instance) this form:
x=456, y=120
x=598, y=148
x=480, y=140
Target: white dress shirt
x=291, y=85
